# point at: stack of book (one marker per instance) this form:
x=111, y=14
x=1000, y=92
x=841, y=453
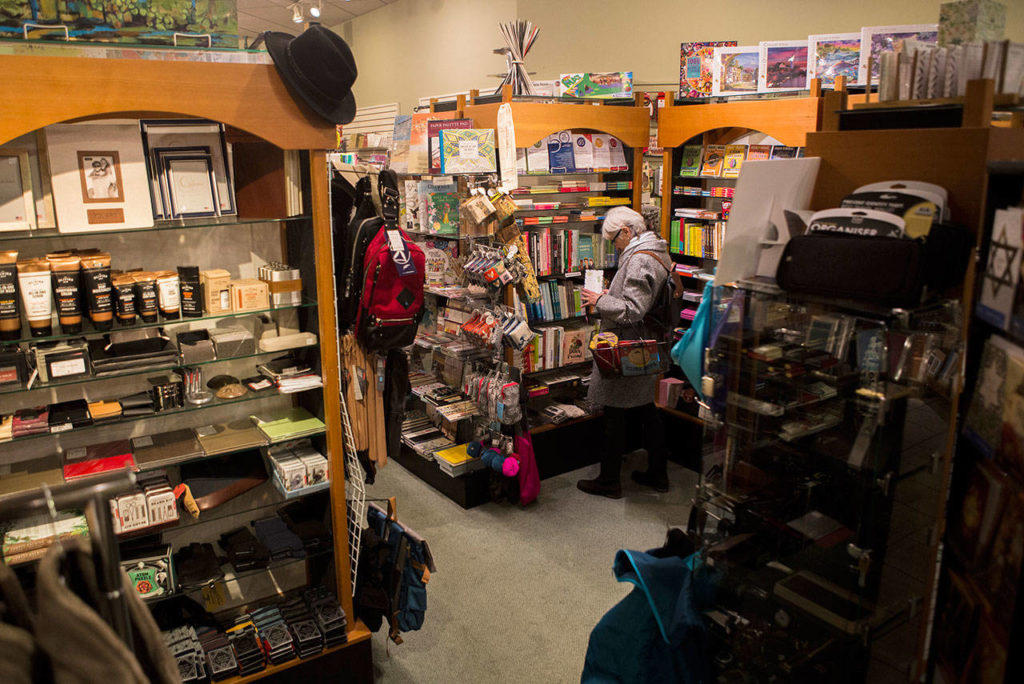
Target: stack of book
x=726, y=161
x=558, y=300
x=422, y=436
x=554, y=347
x=455, y=461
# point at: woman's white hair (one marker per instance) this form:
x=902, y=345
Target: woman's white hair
x=618, y=218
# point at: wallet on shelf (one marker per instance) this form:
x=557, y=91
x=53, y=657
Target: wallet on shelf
x=139, y=404
x=102, y=410
x=132, y=350
x=68, y=415
x=31, y=421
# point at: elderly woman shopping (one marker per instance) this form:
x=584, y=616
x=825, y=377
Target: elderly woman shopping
x=644, y=267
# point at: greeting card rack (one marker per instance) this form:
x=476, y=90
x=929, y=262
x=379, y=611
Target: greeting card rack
x=263, y=123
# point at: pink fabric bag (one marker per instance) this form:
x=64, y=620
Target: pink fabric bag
x=529, y=476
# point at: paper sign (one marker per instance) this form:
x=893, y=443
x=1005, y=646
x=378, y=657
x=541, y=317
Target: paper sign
x=593, y=280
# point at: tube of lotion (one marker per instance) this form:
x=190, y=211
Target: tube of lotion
x=99, y=293
x=67, y=286
x=10, y=311
x=36, y=295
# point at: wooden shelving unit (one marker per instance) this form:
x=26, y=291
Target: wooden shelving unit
x=263, y=120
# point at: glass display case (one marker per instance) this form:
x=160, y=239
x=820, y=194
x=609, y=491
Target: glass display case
x=802, y=462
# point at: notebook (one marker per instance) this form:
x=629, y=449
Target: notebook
x=291, y=423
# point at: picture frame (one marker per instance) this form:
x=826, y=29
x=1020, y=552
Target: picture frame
x=117, y=197
x=191, y=186
x=100, y=173
x=833, y=54
x=42, y=194
x=186, y=133
x=876, y=39
x=782, y=66
x=735, y=70
x=159, y=178
x=17, y=207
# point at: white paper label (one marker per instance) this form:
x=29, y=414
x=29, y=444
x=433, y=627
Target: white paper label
x=59, y=369
x=206, y=431
x=61, y=428
x=469, y=149
x=143, y=441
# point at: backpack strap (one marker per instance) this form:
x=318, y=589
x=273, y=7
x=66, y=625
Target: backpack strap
x=656, y=256
x=387, y=186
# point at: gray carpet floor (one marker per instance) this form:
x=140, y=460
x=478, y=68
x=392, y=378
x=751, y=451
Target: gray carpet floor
x=517, y=590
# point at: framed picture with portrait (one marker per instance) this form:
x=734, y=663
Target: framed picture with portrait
x=101, y=176
x=98, y=177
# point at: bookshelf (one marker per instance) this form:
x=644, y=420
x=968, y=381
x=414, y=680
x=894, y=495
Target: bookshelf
x=39, y=91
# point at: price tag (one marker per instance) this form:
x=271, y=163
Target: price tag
x=400, y=254
x=214, y=597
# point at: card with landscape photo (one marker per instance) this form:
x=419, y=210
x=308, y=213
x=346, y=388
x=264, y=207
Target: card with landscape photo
x=874, y=40
x=782, y=65
x=735, y=70
x=832, y=55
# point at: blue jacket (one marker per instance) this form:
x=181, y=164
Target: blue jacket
x=656, y=633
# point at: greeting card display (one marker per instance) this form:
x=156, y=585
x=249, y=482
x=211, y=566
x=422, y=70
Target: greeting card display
x=832, y=55
x=735, y=70
x=782, y=65
x=696, y=67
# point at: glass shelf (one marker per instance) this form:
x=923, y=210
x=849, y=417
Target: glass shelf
x=161, y=465
x=234, y=576
x=138, y=373
x=250, y=396
x=264, y=497
x=158, y=226
x=88, y=330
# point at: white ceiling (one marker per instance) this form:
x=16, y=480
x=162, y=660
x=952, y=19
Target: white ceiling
x=256, y=16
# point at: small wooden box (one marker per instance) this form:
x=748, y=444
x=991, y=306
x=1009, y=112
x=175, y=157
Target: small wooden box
x=249, y=294
x=216, y=286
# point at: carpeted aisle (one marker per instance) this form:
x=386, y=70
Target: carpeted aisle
x=517, y=591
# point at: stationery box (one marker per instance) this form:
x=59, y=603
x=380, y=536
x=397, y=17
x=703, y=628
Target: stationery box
x=316, y=467
x=232, y=341
x=61, y=360
x=216, y=287
x=129, y=512
x=249, y=294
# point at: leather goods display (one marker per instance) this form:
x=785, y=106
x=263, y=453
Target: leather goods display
x=67, y=415
x=197, y=564
x=102, y=410
x=139, y=404
x=13, y=366
x=289, y=424
x=60, y=360
x=216, y=481
x=31, y=421
x=238, y=434
x=136, y=342
x=279, y=540
x=244, y=550
x=166, y=448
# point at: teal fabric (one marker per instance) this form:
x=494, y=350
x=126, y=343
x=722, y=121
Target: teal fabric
x=656, y=633
x=688, y=352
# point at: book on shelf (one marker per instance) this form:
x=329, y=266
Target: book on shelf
x=439, y=208
x=734, y=157
x=554, y=346
x=434, y=129
x=583, y=151
x=561, y=158
x=759, y=152
x=784, y=152
x=558, y=300
x=689, y=165
x=469, y=150
x=714, y=158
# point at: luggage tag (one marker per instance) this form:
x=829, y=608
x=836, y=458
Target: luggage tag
x=400, y=254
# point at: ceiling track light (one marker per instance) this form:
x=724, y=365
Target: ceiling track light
x=297, y=13
x=316, y=9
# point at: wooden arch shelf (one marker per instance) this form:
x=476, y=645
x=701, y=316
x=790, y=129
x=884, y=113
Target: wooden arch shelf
x=534, y=121
x=787, y=120
x=39, y=91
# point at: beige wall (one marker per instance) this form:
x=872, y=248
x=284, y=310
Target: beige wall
x=414, y=48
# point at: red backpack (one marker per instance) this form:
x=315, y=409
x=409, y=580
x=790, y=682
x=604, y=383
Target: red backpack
x=394, y=269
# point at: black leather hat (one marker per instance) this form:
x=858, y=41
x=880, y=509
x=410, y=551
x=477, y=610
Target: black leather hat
x=318, y=66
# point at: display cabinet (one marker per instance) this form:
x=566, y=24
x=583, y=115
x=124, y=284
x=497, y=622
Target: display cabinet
x=270, y=137
x=800, y=505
